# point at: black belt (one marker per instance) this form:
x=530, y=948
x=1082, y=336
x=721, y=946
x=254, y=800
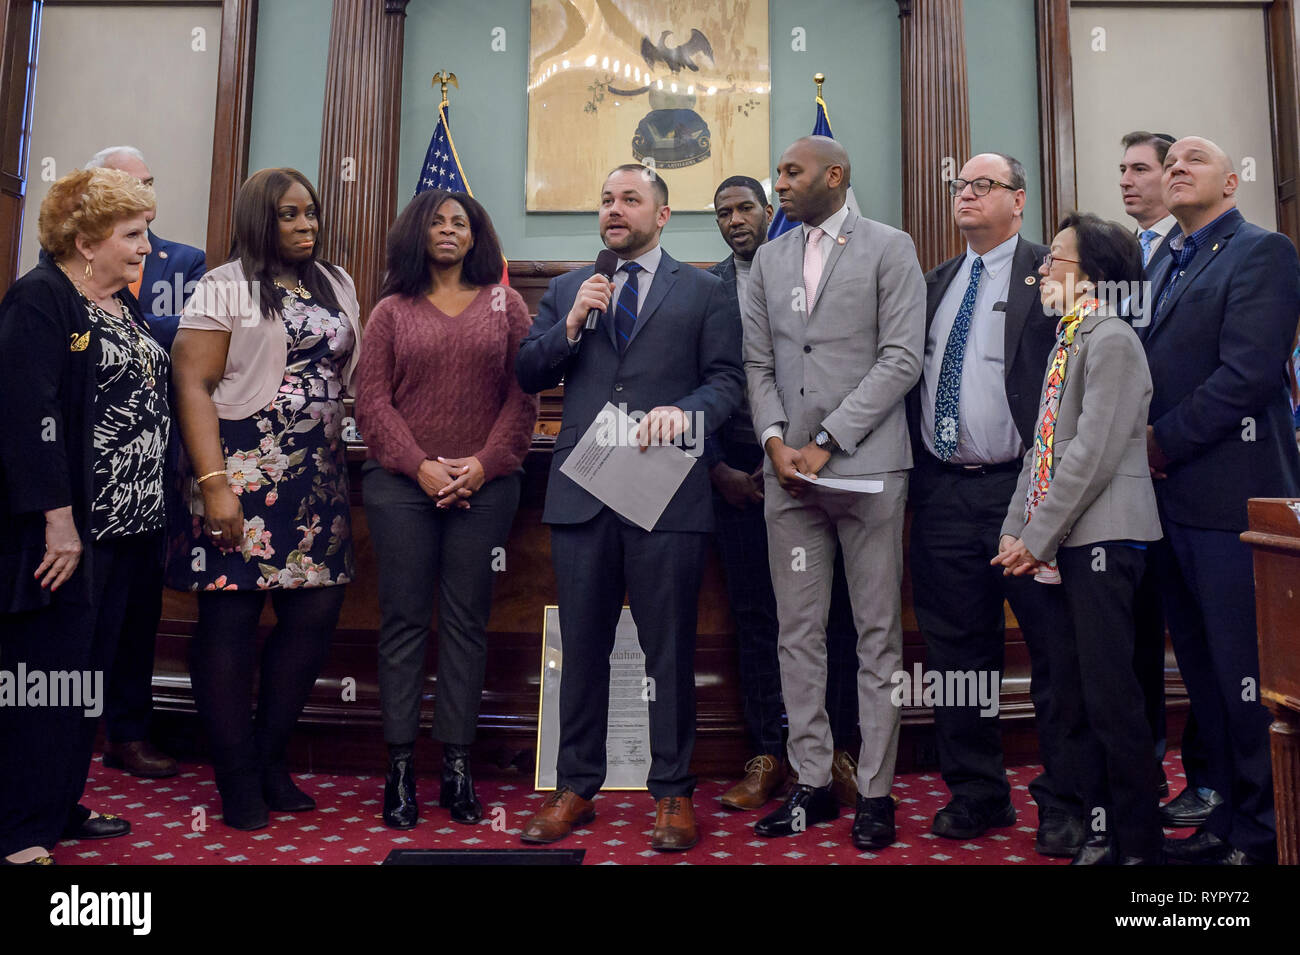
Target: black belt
x=972, y=470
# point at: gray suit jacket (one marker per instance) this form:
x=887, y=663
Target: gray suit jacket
x=849, y=365
x=1101, y=488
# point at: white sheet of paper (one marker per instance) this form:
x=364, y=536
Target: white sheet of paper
x=860, y=485
x=636, y=484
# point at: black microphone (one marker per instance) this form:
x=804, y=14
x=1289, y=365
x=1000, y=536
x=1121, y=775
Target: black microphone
x=606, y=265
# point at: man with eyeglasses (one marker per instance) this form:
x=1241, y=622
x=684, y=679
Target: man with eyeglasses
x=971, y=417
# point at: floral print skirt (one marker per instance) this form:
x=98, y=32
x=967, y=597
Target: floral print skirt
x=287, y=464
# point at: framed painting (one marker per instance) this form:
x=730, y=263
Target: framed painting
x=680, y=85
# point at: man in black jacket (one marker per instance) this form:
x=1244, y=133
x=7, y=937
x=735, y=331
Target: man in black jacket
x=972, y=416
x=1226, y=305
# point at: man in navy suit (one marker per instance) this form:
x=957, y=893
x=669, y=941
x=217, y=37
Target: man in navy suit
x=171, y=270
x=1226, y=305
x=668, y=346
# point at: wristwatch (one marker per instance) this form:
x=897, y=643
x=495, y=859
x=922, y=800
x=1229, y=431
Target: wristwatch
x=824, y=440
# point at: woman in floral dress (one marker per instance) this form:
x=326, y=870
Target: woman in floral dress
x=262, y=361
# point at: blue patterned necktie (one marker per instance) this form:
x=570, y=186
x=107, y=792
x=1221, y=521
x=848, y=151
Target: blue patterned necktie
x=625, y=310
x=1145, y=238
x=946, y=417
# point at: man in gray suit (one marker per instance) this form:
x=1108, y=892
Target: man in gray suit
x=834, y=332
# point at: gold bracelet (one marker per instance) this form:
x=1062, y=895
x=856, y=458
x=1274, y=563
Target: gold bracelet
x=210, y=474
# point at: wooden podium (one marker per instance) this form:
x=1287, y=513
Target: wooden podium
x=1275, y=536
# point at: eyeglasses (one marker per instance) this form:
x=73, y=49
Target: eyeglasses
x=980, y=186
x=1048, y=259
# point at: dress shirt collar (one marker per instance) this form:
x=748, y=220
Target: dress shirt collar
x=1162, y=227
x=832, y=225
x=647, y=260
x=995, y=259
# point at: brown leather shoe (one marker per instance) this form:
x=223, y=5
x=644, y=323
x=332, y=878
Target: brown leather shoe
x=844, y=778
x=139, y=759
x=763, y=775
x=674, y=825
x=563, y=811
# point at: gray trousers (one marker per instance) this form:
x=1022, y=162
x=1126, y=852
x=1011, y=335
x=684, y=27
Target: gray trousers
x=425, y=556
x=801, y=537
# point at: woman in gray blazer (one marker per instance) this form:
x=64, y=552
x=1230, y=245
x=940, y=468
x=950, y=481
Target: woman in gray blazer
x=1080, y=518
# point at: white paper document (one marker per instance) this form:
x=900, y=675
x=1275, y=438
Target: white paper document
x=860, y=485
x=609, y=464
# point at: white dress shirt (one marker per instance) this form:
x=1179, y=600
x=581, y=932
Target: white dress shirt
x=986, y=430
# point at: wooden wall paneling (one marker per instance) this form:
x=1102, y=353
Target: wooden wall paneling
x=233, y=122
x=1283, y=25
x=1055, y=111
x=936, y=122
x=360, y=139
x=20, y=22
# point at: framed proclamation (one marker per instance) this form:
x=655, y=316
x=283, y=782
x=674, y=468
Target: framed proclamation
x=681, y=85
x=627, y=740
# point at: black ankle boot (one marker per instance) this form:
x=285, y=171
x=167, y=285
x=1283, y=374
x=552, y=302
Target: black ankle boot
x=281, y=794
x=458, y=785
x=242, y=805
x=401, y=809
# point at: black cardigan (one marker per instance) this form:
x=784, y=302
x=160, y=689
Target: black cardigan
x=47, y=398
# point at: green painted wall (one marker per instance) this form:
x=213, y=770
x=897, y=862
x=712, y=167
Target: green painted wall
x=855, y=42
x=1002, y=76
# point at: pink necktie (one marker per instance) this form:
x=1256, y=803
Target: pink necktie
x=812, y=266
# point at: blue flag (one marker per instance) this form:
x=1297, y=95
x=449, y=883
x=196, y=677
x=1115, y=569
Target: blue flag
x=821, y=127
x=441, y=164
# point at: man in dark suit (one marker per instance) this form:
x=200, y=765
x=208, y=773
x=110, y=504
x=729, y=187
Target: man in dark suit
x=1227, y=301
x=1141, y=172
x=171, y=270
x=971, y=417
x=667, y=345
x=735, y=461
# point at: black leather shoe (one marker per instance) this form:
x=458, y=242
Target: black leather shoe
x=1201, y=848
x=106, y=826
x=803, y=809
x=282, y=795
x=1157, y=859
x=873, y=824
x=1241, y=857
x=401, y=808
x=1059, y=834
x=1189, y=809
x=458, y=786
x=242, y=804
x=965, y=818
x=1097, y=849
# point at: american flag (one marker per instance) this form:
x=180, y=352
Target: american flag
x=442, y=169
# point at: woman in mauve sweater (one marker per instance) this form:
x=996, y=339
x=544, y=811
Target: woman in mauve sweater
x=447, y=428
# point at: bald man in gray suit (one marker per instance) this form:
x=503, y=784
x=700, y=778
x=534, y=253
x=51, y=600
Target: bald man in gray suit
x=834, y=325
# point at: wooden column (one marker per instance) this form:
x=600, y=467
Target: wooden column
x=936, y=122
x=1284, y=80
x=359, y=138
x=20, y=22
x=1055, y=111
x=232, y=124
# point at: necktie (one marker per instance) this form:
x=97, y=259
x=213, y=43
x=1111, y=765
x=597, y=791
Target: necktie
x=946, y=417
x=812, y=266
x=625, y=309
x=1145, y=238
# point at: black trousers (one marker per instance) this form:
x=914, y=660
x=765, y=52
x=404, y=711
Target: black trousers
x=596, y=562
x=429, y=556
x=129, y=703
x=958, y=598
x=741, y=536
x=45, y=750
x=1101, y=702
x=224, y=665
x=1208, y=582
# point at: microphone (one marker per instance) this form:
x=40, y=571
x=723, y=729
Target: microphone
x=606, y=265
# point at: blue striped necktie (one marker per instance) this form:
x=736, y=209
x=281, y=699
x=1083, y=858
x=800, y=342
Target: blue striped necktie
x=1145, y=238
x=625, y=310
x=947, y=418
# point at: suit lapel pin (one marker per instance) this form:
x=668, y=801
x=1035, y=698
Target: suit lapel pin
x=841, y=240
x=162, y=254
x=1215, y=247
x=1030, y=280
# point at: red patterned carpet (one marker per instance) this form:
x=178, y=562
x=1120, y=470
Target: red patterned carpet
x=346, y=829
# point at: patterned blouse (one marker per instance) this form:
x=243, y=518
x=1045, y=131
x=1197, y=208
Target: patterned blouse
x=131, y=426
